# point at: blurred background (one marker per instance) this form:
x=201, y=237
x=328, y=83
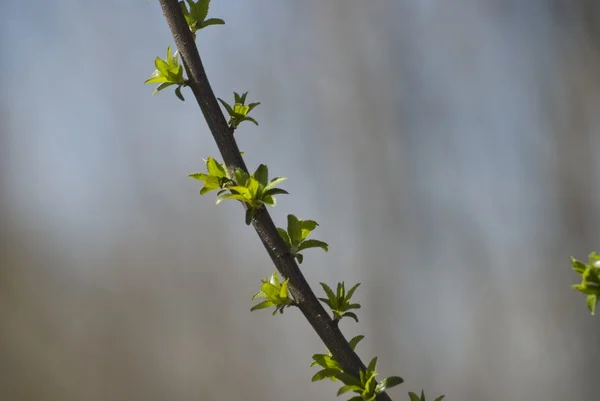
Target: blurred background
x=449, y=150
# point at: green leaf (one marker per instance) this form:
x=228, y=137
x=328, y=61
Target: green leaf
x=262, y=174
x=274, y=279
x=355, y=340
x=328, y=373
x=283, y=292
x=215, y=168
x=162, y=65
x=307, y=226
x=578, y=267
x=325, y=300
x=230, y=196
x=249, y=216
x=169, y=56
x=244, y=191
x=372, y=365
x=241, y=177
x=345, y=389
x=226, y=105
x=284, y=235
x=592, y=302
x=270, y=290
x=300, y=258
x=350, y=314
x=154, y=79
x=294, y=229
x=178, y=93
x=253, y=187
x=246, y=118
x=440, y=398
x=351, y=291
x=321, y=359
x=387, y=383
x=313, y=243
x=262, y=305
x=212, y=21
x=274, y=182
x=199, y=10
x=198, y=176
x=161, y=87
x=348, y=380
x=275, y=191
x=252, y=106
x=328, y=291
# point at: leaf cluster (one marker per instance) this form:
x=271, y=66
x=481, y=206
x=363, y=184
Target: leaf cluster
x=295, y=236
x=239, y=111
x=196, y=15
x=168, y=72
x=364, y=385
x=339, y=302
x=590, y=279
x=331, y=368
x=254, y=190
x=275, y=293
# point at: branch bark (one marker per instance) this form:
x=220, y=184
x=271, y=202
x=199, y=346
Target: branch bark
x=308, y=303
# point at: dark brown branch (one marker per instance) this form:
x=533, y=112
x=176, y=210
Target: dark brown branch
x=308, y=303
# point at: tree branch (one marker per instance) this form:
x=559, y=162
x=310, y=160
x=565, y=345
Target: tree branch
x=308, y=303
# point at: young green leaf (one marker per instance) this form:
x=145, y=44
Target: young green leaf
x=590, y=279
x=297, y=232
x=387, y=383
x=339, y=302
x=168, y=72
x=262, y=175
x=196, y=15
x=355, y=340
x=239, y=112
x=275, y=293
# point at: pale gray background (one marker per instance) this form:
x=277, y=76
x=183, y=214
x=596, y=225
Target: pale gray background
x=448, y=148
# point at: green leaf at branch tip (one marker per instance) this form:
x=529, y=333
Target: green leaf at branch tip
x=239, y=112
x=365, y=385
x=590, y=279
x=275, y=293
x=253, y=190
x=339, y=302
x=313, y=243
x=212, y=21
x=331, y=367
x=168, y=72
x=297, y=232
x=196, y=15
x=328, y=373
x=262, y=175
